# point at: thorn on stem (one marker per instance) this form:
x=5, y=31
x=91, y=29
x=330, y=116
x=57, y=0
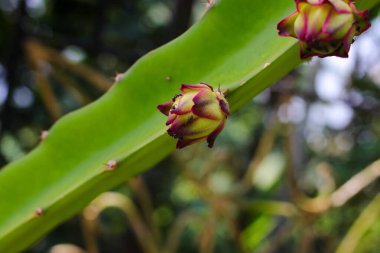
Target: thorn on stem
x=118, y=77
x=267, y=64
x=38, y=212
x=210, y=3
x=43, y=135
x=111, y=165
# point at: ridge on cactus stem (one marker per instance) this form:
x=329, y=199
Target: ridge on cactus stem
x=197, y=114
x=324, y=27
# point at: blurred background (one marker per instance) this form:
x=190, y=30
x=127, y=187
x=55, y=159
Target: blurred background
x=296, y=169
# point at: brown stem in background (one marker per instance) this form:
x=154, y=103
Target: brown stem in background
x=343, y=194
x=264, y=147
x=361, y=225
x=139, y=188
x=295, y=193
x=114, y=199
x=207, y=236
x=46, y=61
x=307, y=236
x=176, y=230
x=356, y=184
x=89, y=228
x=70, y=85
x=41, y=69
x=312, y=207
x=93, y=77
x=43, y=53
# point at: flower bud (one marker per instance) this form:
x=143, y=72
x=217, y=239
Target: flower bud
x=324, y=27
x=197, y=114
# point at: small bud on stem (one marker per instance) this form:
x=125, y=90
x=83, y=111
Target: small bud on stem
x=197, y=114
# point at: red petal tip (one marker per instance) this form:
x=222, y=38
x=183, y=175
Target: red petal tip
x=165, y=108
x=188, y=87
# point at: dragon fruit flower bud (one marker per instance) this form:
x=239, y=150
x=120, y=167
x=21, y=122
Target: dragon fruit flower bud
x=324, y=27
x=197, y=114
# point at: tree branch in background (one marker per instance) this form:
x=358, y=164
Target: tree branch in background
x=356, y=184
